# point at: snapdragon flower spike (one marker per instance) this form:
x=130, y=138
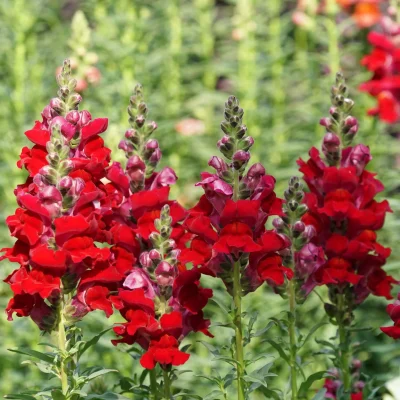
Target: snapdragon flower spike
x=142, y=152
x=383, y=62
x=343, y=210
x=228, y=223
x=161, y=301
x=60, y=207
x=302, y=257
x=345, y=214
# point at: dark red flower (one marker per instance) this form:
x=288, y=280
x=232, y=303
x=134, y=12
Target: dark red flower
x=165, y=352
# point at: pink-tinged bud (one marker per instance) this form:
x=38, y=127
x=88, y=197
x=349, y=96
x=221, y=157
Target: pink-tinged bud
x=65, y=183
x=126, y=146
x=165, y=274
x=358, y=157
x=299, y=227
x=330, y=143
x=333, y=110
x=326, y=122
x=138, y=279
x=155, y=157
x=240, y=158
x=135, y=168
x=79, y=309
x=73, y=117
x=57, y=104
x=166, y=177
x=151, y=145
x=131, y=133
x=85, y=117
x=50, y=194
x=140, y=120
x=48, y=113
x=174, y=254
x=308, y=260
x=350, y=121
x=309, y=232
x=77, y=187
x=145, y=260
x=154, y=255
x=218, y=164
x=278, y=224
x=247, y=143
x=67, y=129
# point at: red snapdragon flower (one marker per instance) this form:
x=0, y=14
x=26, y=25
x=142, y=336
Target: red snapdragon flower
x=160, y=300
x=384, y=63
x=228, y=223
x=394, y=312
x=343, y=210
x=58, y=219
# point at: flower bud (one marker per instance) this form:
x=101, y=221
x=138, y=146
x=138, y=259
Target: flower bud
x=278, y=224
x=57, y=105
x=240, y=159
x=65, y=183
x=298, y=228
x=165, y=274
x=138, y=279
x=145, y=260
x=154, y=255
x=85, y=117
x=155, y=157
x=73, y=117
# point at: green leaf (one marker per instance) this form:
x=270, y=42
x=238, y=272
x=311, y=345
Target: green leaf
x=106, y=396
x=312, y=331
x=96, y=374
x=305, y=386
x=57, y=394
x=212, y=349
x=280, y=349
x=184, y=395
x=213, y=395
x=33, y=353
x=271, y=394
x=264, y=330
x=320, y=395
x=86, y=345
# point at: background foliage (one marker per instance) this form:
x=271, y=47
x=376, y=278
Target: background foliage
x=190, y=55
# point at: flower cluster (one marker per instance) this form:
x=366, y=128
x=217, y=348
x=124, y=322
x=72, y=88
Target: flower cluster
x=394, y=313
x=333, y=384
x=343, y=210
x=58, y=219
x=228, y=223
x=159, y=298
x=384, y=63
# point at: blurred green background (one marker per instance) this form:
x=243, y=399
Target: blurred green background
x=190, y=55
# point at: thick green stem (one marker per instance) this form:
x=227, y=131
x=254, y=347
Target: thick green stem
x=292, y=338
x=153, y=385
x=167, y=385
x=345, y=353
x=61, y=345
x=237, y=299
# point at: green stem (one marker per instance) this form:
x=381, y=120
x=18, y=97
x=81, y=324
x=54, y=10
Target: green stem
x=153, y=385
x=61, y=345
x=345, y=353
x=292, y=338
x=237, y=299
x=167, y=385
